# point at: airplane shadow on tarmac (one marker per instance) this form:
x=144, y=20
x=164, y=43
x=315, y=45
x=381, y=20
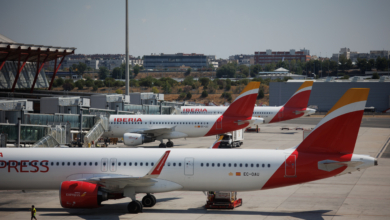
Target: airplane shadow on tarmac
x=115, y=211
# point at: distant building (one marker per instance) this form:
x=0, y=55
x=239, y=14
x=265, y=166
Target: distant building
x=279, y=73
x=266, y=57
x=354, y=55
x=163, y=61
x=243, y=59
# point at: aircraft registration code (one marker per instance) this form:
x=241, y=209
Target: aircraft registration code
x=251, y=174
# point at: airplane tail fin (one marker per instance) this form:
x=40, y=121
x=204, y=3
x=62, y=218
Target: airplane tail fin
x=338, y=130
x=300, y=98
x=244, y=104
x=216, y=143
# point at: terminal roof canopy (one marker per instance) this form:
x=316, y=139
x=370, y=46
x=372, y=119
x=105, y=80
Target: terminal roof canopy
x=10, y=51
x=281, y=69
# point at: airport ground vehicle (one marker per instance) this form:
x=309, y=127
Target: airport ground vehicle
x=232, y=139
x=89, y=176
x=222, y=200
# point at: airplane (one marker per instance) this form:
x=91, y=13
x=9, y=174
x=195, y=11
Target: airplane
x=140, y=129
x=295, y=107
x=86, y=177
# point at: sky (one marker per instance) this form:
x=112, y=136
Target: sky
x=212, y=27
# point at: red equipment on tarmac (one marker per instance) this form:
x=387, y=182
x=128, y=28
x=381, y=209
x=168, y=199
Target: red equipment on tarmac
x=222, y=200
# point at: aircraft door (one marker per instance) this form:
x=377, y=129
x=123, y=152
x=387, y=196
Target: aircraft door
x=104, y=164
x=113, y=164
x=189, y=166
x=219, y=124
x=290, y=166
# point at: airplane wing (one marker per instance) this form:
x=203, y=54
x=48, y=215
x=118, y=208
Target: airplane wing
x=115, y=182
x=156, y=131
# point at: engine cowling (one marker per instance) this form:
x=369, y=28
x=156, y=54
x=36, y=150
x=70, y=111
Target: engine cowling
x=78, y=194
x=133, y=139
x=257, y=121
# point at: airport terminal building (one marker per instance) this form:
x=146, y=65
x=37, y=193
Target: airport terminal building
x=325, y=93
x=175, y=61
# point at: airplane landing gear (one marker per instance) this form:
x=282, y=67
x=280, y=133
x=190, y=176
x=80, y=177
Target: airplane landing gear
x=134, y=207
x=169, y=143
x=149, y=200
x=162, y=145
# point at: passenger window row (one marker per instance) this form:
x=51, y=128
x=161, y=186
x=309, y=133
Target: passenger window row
x=262, y=113
x=131, y=164
x=234, y=165
x=49, y=164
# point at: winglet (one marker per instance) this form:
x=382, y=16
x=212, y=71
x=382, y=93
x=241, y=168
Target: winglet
x=216, y=143
x=338, y=130
x=244, y=104
x=300, y=98
x=156, y=169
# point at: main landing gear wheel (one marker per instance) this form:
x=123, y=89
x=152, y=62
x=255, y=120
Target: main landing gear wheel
x=149, y=201
x=162, y=145
x=169, y=144
x=134, y=207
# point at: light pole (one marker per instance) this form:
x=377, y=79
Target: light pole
x=127, y=48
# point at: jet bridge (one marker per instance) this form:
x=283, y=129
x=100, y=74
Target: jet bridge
x=97, y=130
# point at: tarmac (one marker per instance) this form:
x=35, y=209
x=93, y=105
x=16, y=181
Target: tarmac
x=360, y=195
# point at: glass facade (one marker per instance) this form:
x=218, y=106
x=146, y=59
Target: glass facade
x=26, y=77
x=174, y=60
x=74, y=120
x=28, y=133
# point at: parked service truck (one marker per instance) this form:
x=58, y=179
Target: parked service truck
x=232, y=139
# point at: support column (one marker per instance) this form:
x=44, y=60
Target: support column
x=19, y=132
x=2, y=64
x=38, y=70
x=56, y=68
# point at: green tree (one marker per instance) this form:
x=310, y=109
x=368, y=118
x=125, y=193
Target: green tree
x=260, y=95
x=381, y=63
x=79, y=84
x=81, y=67
x=89, y=82
x=147, y=81
x=154, y=89
x=119, y=91
x=182, y=95
x=375, y=76
x=370, y=64
x=362, y=65
x=188, y=81
x=109, y=82
x=136, y=69
x=204, y=81
x=68, y=85
x=59, y=82
x=205, y=94
x=227, y=71
x=95, y=88
x=167, y=88
x=117, y=73
x=244, y=70
x=134, y=83
x=103, y=73
x=189, y=95
x=99, y=83
x=255, y=69
x=188, y=72
x=343, y=62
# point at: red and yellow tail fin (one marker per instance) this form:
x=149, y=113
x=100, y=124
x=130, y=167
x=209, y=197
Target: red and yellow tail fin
x=300, y=98
x=244, y=104
x=338, y=130
x=216, y=143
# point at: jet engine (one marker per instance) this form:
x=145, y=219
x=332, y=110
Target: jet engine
x=78, y=194
x=133, y=139
x=257, y=121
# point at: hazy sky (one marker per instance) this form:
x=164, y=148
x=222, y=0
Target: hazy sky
x=217, y=27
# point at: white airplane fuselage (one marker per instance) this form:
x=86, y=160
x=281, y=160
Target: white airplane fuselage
x=185, y=169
